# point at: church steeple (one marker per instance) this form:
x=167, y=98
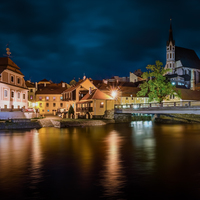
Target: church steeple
x=170, y=52
x=170, y=35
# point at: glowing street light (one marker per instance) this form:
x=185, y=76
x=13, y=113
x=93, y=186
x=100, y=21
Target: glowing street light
x=114, y=94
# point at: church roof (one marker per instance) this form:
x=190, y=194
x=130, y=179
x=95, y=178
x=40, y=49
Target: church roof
x=188, y=57
x=170, y=35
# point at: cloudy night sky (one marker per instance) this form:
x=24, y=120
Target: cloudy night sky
x=63, y=39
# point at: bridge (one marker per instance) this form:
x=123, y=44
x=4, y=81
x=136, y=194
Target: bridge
x=180, y=107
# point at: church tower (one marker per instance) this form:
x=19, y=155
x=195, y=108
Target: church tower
x=170, y=49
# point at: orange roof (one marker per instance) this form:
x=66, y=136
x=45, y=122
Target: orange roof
x=187, y=94
x=96, y=94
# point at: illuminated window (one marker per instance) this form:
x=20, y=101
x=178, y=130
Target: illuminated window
x=101, y=105
x=5, y=93
x=40, y=98
x=24, y=96
x=31, y=97
x=47, y=98
x=61, y=98
x=54, y=98
x=18, y=95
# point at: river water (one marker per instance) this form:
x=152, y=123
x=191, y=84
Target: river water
x=116, y=161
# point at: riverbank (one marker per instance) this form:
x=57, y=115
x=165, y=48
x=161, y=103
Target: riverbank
x=51, y=121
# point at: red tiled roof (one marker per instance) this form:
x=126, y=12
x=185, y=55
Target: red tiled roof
x=187, y=94
x=52, y=89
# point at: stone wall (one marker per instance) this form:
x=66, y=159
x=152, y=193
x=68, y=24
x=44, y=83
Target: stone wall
x=20, y=125
x=109, y=114
x=122, y=118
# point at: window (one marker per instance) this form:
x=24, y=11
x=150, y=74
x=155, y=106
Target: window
x=5, y=93
x=101, y=105
x=24, y=96
x=40, y=104
x=132, y=98
x=47, y=98
x=18, y=80
x=61, y=98
x=47, y=104
x=18, y=95
x=126, y=98
x=31, y=90
x=54, y=98
x=31, y=97
x=54, y=104
x=61, y=104
x=12, y=79
x=12, y=94
x=40, y=98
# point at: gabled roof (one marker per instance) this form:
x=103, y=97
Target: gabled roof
x=52, y=88
x=96, y=94
x=188, y=57
x=7, y=63
x=187, y=94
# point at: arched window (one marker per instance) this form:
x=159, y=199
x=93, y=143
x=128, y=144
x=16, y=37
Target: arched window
x=170, y=47
x=170, y=65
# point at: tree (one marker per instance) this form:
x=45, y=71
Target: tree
x=71, y=111
x=156, y=86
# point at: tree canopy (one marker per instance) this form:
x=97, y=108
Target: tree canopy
x=156, y=86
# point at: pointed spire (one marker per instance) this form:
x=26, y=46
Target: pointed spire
x=170, y=34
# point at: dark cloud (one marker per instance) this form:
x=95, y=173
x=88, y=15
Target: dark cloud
x=60, y=40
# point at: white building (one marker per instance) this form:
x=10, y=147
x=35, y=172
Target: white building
x=13, y=91
x=184, y=63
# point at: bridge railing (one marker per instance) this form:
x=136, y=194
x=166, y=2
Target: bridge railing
x=158, y=105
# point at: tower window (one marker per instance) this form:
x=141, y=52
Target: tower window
x=170, y=47
x=170, y=55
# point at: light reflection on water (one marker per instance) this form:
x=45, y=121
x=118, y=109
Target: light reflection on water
x=117, y=161
x=113, y=178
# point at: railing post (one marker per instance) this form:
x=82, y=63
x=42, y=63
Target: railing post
x=189, y=103
x=150, y=105
x=174, y=104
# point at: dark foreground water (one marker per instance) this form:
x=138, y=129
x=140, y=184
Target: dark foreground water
x=116, y=161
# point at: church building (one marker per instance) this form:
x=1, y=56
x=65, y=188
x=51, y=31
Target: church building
x=184, y=64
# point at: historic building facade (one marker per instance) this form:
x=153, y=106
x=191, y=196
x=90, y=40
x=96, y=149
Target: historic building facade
x=13, y=90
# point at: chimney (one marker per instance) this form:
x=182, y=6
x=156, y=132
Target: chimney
x=192, y=80
x=90, y=91
x=84, y=77
x=63, y=84
x=36, y=86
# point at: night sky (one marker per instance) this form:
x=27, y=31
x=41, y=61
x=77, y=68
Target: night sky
x=63, y=39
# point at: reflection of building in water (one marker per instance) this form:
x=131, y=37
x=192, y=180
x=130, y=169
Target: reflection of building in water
x=113, y=177
x=144, y=141
x=36, y=158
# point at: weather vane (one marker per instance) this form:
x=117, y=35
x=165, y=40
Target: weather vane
x=8, y=53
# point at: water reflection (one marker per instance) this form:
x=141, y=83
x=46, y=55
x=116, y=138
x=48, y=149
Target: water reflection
x=144, y=141
x=113, y=176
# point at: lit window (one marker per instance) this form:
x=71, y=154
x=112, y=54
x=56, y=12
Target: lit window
x=31, y=97
x=47, y=98
x=101, y=105
x=18, y=95
x=54, y=98
x=5, y=93
x=40, y=98
x=24, y=96
x=61, y=98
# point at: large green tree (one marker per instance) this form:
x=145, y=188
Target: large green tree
x=156, y=86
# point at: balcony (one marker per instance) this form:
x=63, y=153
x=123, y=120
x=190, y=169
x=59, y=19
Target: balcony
x=84, y=109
